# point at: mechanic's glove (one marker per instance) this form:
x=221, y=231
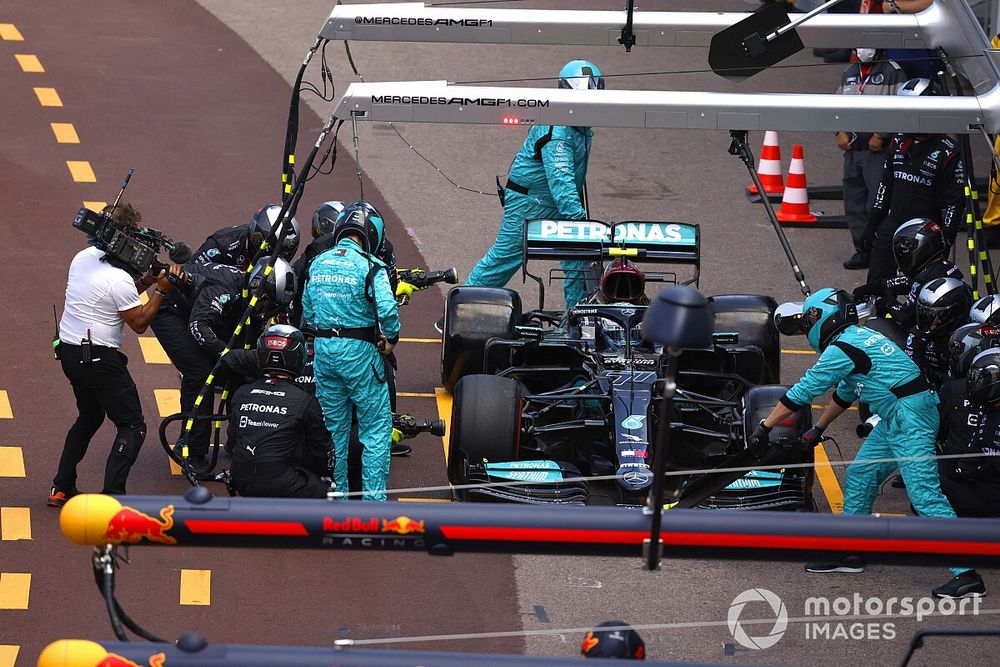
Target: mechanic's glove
x=866, y=427
x=813, y=436
x=864, y=292
x=397, y=436
x=759, y=439
x=404, y=291
x=883, y=306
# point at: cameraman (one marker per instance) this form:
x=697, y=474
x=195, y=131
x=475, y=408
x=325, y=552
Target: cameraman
x=100, y=299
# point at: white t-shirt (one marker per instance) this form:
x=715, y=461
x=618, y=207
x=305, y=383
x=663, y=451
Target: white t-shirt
x=96, y=293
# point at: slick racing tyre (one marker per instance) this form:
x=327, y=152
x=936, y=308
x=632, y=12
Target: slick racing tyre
x=485, y=424
x=750, y=316
x=473, y=315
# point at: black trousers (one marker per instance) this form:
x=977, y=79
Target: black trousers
x=195, y=365
x=972, y=497
x=883, y=263
x=292, y=482
x=102, y=387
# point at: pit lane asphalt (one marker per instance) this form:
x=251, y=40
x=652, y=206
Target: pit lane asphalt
x=202, y=121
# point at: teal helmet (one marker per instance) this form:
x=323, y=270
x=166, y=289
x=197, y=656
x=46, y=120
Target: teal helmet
x=827, y=312
x=364, y=220
x=582, y=75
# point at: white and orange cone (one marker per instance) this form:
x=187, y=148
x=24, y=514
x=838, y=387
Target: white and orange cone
x=769, y=167
x=795, y=203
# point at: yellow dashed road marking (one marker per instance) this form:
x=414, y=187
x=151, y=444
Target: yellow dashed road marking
x=15, y=588
x=828, y=481
x=15, y=523
x=5, y=411
x=81, y=171
x=152, y=351
x=29, y=62
x=168, y=402
x=415, y=394
x=8, y=655
x=420, y=340
x=444, y=412
x=196, y=587
x=66, y=134
x=11, y=462
x=797, y=352
x=48, y=97
x=10, y=33
x=96, y=206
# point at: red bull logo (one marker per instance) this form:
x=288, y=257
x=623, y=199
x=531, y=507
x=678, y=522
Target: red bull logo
x=132, y=526
x=351, y=524
x=402, y=525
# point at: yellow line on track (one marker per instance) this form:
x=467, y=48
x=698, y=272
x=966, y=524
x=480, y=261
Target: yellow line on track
x=81, y=171
x=196, y=587
x=95, y=206
x=5, y=411
x=48, y=97
x=415, y=394
x=10, y=33
x=444, y=412
x=15, y=589
x=29, y=63
x=168, y=402
x=420, y=340
x=15, y=523
x=152, y=351
x=65, y=133
x=11, y=462
x=828, y=481
x=8, y=655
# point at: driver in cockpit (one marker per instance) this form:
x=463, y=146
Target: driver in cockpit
x=622, y=284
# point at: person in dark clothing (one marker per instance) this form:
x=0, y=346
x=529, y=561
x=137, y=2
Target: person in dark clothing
x=236, y=246
x=942, y=306
x=972, y=484
x=924, y=178
x=920, y=250
x=281, y=448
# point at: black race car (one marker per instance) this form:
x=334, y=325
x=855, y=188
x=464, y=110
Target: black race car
x=544, y=399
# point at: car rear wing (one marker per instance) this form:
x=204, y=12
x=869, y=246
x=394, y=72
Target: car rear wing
x=594, y=241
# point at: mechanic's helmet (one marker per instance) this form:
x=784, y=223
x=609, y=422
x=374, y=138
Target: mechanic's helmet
x=613, y=639
x=920, y=88
x=943, y=305
x=581, y=75
x=917, y=243
x=325, y=218
x=363, y=219
x=826, y=313
x=261, y=224
x=281, y=349
x=986, y=310
x=983, y=379
x=275, y=288
x=623, y=281
x=968, y=341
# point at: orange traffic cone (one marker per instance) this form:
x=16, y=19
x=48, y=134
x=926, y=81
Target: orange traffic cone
x=769, y=167
x=795, y=203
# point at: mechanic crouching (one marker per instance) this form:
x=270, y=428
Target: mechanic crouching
x=866, y=366
x=281, y=447
x=350, y=307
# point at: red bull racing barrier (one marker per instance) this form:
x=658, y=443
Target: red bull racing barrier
x=200, y=519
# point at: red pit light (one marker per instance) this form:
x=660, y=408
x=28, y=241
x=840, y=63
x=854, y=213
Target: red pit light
x=511, y=120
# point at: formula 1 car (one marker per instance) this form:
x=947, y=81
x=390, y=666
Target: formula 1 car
x=543, y=399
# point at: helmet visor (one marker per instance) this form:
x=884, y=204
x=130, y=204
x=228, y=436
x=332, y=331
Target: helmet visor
x=791, y=321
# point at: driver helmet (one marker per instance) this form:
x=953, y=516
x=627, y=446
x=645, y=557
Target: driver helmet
x=623, y=281
x=983, y=380
x=615, y=334
x=943, y=305
x=261, y=224
x=967, y=342
x=275, y=288
x=281, y=350
x=917, y=243
x=581, y=75
x=920, y=87
x=826, y=313
x=986, y=310
x=325, y=217
x=613, y=639
x=363, y=219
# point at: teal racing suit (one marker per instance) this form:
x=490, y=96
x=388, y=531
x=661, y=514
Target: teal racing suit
x=866, y=366
x=545, y=181
x=346, y=287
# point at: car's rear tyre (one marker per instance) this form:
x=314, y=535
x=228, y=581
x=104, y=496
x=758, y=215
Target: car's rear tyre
x=751, y=315
x=485, y=424
x=473, y=315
